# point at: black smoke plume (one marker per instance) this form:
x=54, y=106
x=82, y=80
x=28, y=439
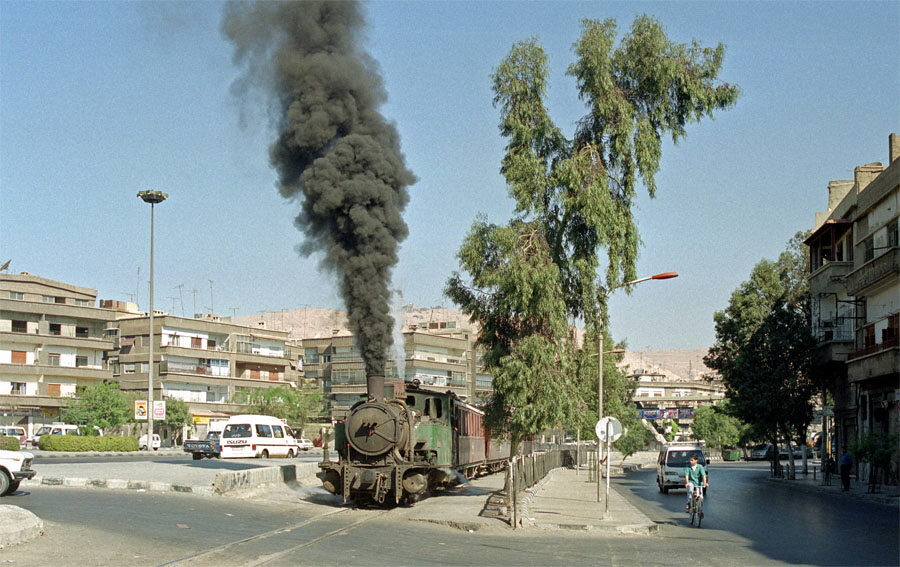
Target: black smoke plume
x=335, y=152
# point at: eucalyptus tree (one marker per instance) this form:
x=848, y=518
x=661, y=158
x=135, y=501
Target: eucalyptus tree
x=530, y=279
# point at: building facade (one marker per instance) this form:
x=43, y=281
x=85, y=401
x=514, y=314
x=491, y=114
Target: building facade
x=53, y=339
x=207, y=362
x=854, y=280
x=435, y=355
x=660, y=397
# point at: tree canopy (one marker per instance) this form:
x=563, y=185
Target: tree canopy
x=530, y=279
x=764, y=346
x=293, y=405
x=101, y=405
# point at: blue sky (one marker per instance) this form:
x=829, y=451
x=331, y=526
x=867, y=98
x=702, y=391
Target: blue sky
x=99, y=100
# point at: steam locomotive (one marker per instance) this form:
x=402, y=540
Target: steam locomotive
x=395, y=451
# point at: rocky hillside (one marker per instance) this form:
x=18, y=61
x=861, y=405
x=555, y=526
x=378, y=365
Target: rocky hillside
x=684, y=364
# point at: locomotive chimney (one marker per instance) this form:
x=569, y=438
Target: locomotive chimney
x=375, y=387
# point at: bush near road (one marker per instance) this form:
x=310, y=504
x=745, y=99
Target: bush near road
x=87, y=443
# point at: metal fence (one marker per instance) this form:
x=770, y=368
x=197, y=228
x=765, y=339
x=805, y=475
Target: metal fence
x=525, y=471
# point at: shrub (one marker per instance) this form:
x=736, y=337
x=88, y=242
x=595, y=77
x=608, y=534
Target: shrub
x=87, y=443
x=9, y=443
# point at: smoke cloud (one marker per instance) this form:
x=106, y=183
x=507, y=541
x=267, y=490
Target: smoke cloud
x=335, y=153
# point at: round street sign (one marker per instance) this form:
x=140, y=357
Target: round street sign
x=615, y=429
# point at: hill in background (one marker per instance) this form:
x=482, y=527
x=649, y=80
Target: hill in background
x=675, y=364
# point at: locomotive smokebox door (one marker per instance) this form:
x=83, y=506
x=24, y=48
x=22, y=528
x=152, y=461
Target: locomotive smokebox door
x=375, y=429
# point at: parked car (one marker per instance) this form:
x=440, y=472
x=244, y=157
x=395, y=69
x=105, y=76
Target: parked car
x=15, y=466
x=15, y=431
x=762, y=452
x=304, y=444
x=143, y=442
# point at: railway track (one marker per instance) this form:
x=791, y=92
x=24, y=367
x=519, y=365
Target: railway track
x=269, y=547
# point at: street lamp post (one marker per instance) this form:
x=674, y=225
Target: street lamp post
x=152, y=197
x=600, y=353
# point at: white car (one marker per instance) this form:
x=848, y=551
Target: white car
x=304, y=444
x=15, y=466
x=143, y=442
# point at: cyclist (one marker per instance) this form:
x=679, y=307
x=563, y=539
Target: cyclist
x=694, y=475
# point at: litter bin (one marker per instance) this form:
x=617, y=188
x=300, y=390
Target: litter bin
x=731, y=455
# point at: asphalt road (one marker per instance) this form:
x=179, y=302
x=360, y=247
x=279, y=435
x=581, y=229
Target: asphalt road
x=750, y=521
x=751, y=513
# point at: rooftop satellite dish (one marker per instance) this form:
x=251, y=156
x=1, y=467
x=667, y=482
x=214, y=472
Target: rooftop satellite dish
x=5, y=266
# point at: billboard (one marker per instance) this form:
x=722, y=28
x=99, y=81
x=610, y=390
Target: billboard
x=667, y=413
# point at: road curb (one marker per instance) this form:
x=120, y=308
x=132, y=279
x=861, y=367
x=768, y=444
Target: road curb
x=18, y=525
x=225, y=481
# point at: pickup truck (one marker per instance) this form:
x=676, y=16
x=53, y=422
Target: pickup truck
x=209, y=447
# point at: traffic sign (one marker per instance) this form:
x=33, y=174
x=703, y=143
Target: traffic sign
x=611, y=424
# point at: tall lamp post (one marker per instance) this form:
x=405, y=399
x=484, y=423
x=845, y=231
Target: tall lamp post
x=152, y=197
x=600, y=353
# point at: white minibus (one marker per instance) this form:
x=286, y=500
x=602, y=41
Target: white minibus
x=257, y=436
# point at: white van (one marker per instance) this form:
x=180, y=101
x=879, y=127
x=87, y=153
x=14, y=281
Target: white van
x=59, y=429
x=257, y=436
x=54, y=429
x=672, y=460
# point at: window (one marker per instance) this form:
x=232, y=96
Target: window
x=211, y=344
x=263, y=430
x=243, y=344
x=81, y=361
x=53, y=359
x=19, y=357
x=279, y=434
x=55, y=329
x=19, y=327
x=54, y=390
x=868, y=250
x=17, y=389
x=196, y=342
x=84, y=303
x=892, y=234
x=311, y=355
x=17, y=295
x=52, y=299
x=82, y=332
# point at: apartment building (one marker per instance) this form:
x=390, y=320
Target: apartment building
x=854, y=280
x=52, y=341
x=207, y=362
x=660, y=396
x=436, y=355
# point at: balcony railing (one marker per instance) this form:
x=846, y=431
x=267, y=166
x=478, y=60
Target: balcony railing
x=872, y=349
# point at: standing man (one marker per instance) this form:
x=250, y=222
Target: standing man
x=846, y=465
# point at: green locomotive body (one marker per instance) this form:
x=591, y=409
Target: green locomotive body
x=397, y=451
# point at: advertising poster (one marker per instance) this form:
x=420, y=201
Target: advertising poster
x=159, y=410
x=140, y=409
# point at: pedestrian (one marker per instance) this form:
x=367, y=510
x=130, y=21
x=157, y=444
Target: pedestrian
x=846, y=465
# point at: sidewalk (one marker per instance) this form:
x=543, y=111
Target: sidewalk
x=884, y=494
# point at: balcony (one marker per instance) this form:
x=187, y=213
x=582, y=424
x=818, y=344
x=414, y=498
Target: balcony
x=873, y=271
x=893, y=342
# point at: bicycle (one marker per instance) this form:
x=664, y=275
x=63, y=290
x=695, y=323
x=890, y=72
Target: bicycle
x=696, y=505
